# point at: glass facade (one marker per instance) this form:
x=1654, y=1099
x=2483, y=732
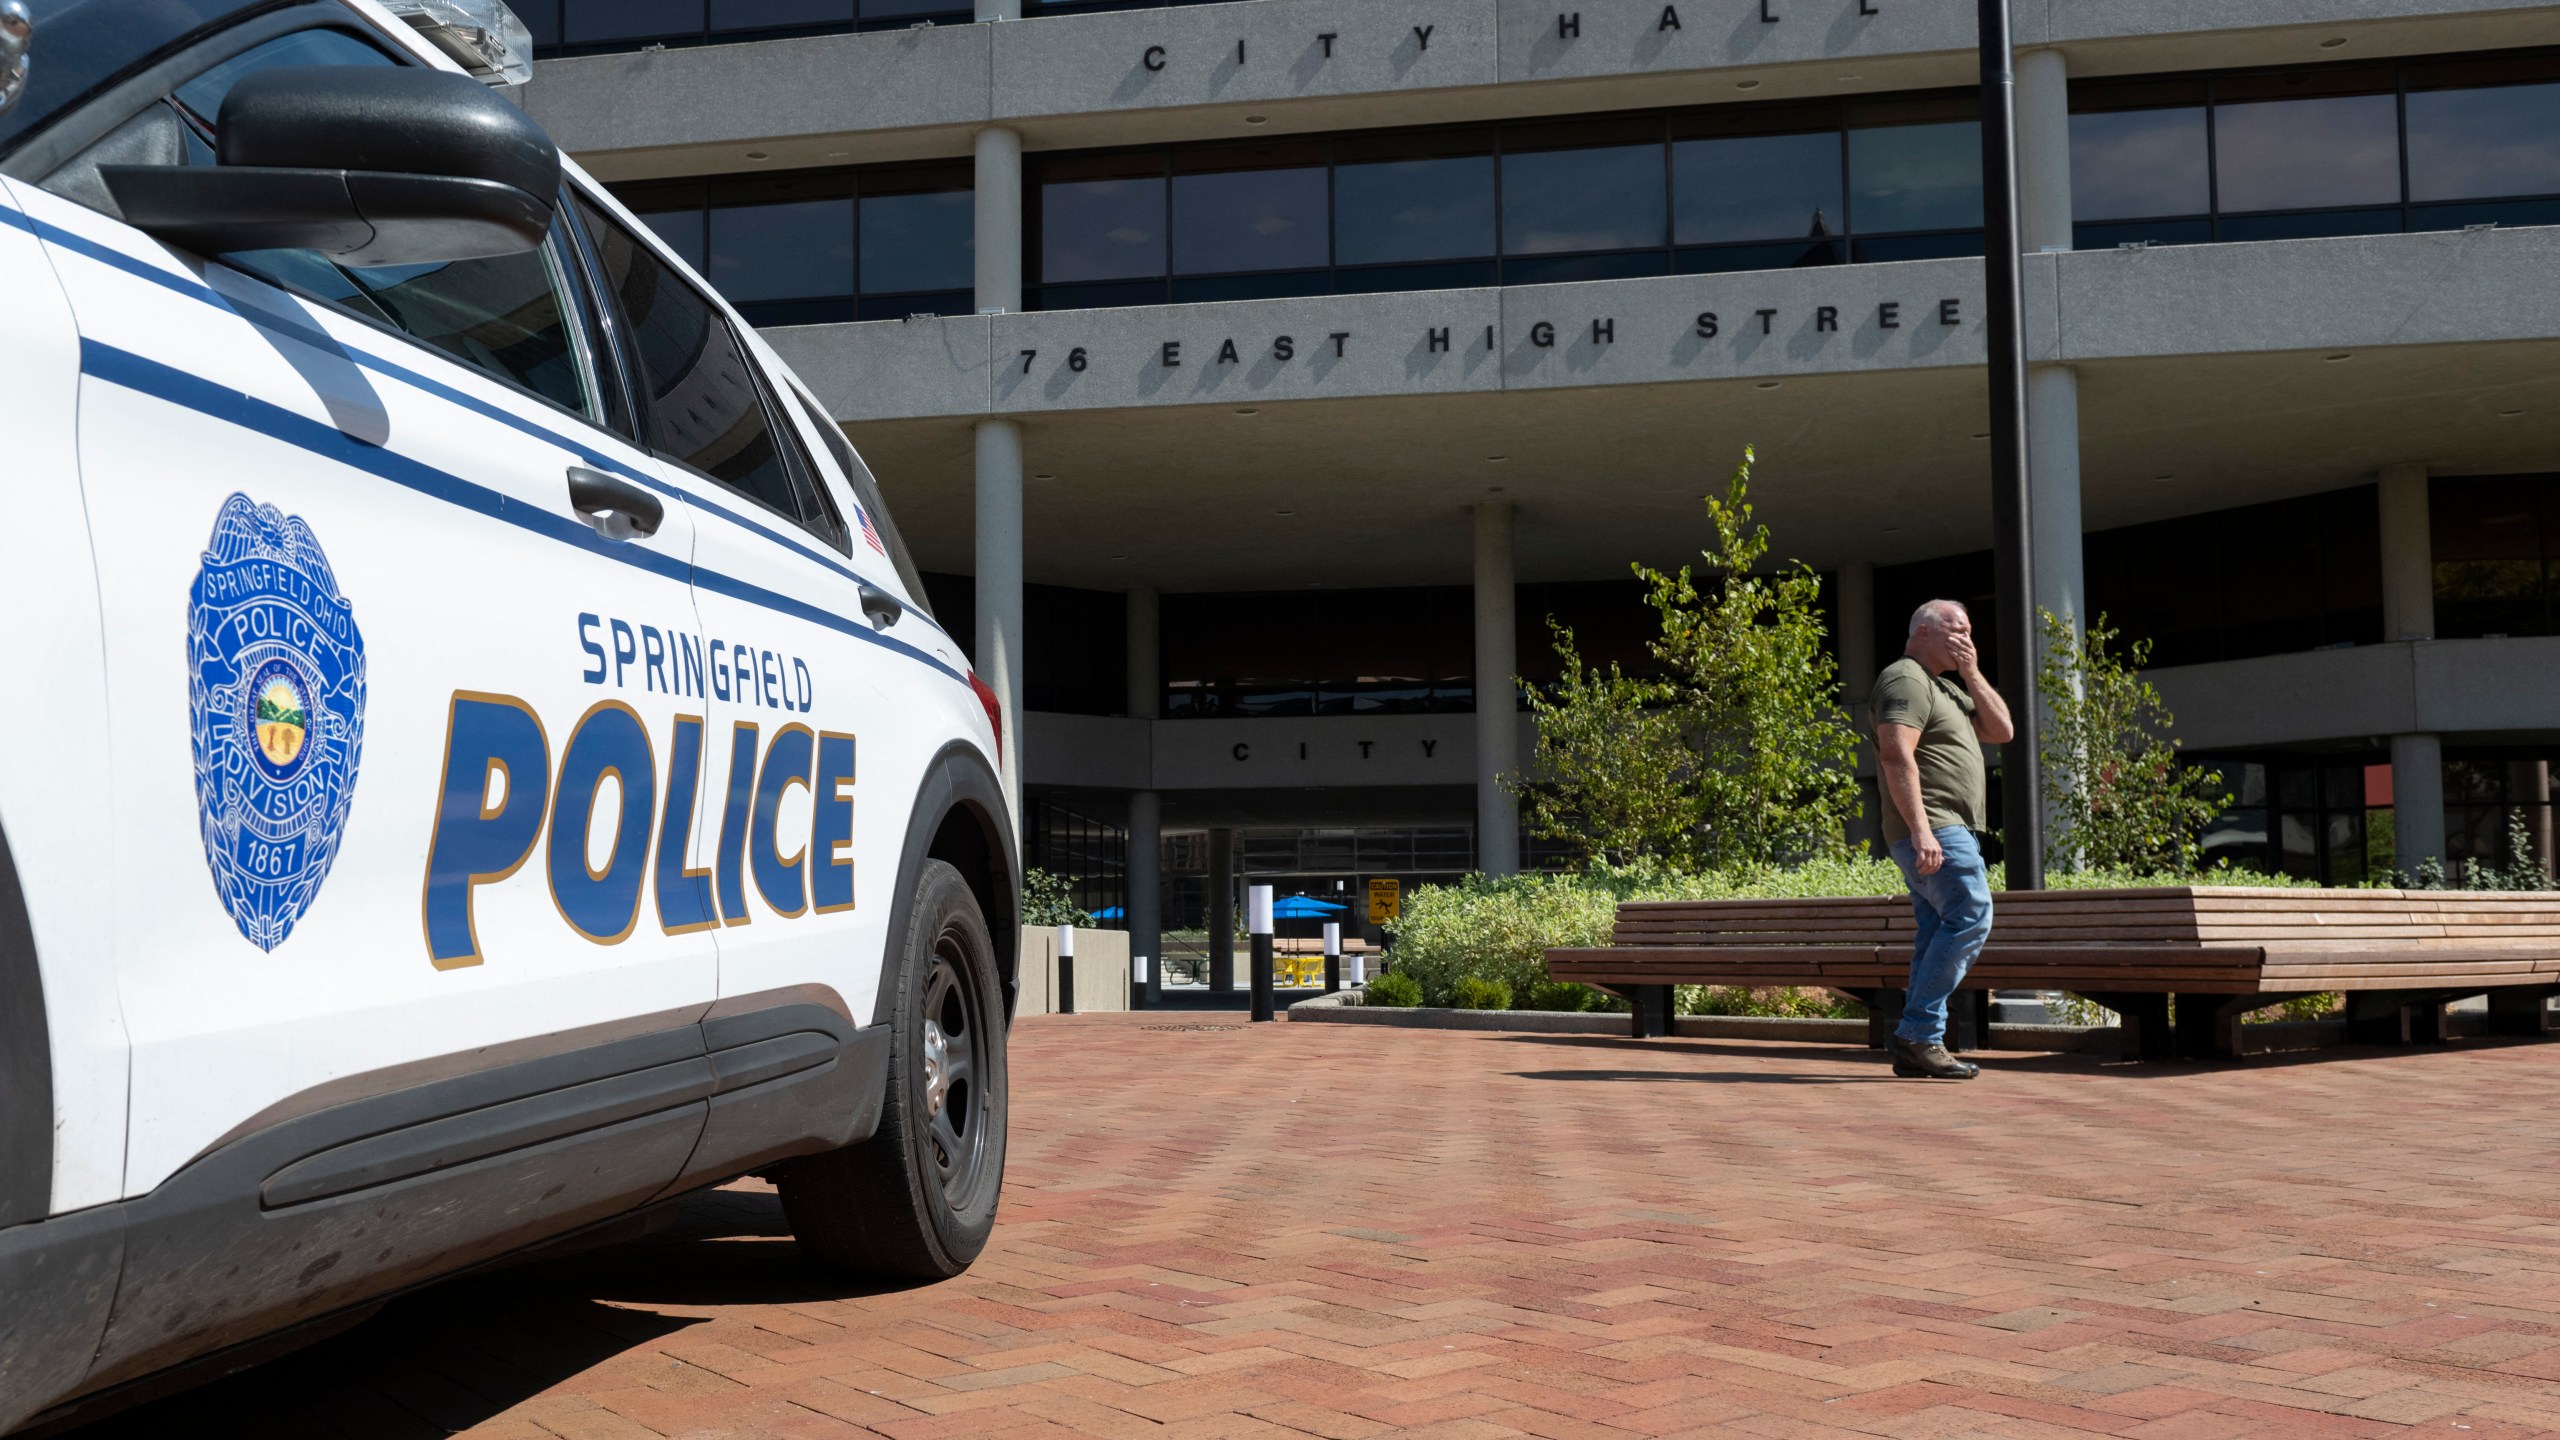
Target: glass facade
x=813, y=247
x=1737, y=187
x=2329, y=150
x=2321, y=818
x=2495, y=538
x=2486, y=794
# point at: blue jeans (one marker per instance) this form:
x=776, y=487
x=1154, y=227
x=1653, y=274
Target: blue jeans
x=1953, y=908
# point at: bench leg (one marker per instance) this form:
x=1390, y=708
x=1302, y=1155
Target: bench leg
x=1969, y=1020
x=1884, y=1011
x=2144, y=1017
x=2208, y=1026
x=1650, y=1009
x=2519, y=1010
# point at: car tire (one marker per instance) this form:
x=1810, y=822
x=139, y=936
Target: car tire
x=917, y=1200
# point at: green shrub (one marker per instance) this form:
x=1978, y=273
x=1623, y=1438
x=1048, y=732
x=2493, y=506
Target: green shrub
x=1395, y=990
x=1570, y=996
x=1790, y=1002
x=1047, y=899
x=1474, y=992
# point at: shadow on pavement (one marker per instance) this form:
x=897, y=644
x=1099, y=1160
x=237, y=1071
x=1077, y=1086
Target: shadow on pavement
x=453, y=1355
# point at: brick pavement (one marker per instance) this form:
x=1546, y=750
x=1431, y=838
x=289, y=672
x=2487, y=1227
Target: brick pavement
x=1334, y=1231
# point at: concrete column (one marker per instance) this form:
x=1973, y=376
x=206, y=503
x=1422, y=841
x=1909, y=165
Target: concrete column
x=1856, y=604
x=999, y=212
x=2408, y=556
x=1222, y=910
x=2409, y=613
x=1146, y=655
x=2417, y=799
x=999, y=526
x=2044, y=150
x=1146, y=887
x=2053, y=456
x=1497, y=711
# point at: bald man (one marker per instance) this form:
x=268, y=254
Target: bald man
x=1933, y=713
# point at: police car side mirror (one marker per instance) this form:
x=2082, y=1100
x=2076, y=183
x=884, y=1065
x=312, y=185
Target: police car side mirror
x=367, y=165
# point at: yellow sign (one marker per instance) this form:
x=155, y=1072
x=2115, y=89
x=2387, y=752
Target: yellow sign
x=1386, y=901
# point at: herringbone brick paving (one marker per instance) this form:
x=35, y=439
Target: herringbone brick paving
x=1295, y=1230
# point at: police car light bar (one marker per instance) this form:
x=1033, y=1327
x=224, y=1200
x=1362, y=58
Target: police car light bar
x=482, y=36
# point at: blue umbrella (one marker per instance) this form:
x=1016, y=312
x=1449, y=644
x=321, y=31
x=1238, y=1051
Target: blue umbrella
x=1111, y=914
x=1303, y=907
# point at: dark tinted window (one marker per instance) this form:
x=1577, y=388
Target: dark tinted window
x=586, y=22
x=1915, y=167
x=1102, y=221
x=2492, y=538
x=707, y=407
x=2477, y=130
x=1250, y=210
x=782, y=250
x=918, y=239
x=2304, y=139
x=1756, y=187
x=1569, y=188
x=1429, y=198
x=81, y=45
x=2140, y=150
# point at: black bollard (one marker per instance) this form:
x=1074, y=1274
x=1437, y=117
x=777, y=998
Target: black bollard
x=1066, y=969
x=1258, y=920
x=1332, y=957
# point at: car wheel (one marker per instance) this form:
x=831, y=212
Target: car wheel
x=918, y=1199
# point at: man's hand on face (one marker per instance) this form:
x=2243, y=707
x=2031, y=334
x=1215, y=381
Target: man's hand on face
x=1928, y=854
x=1961, y=657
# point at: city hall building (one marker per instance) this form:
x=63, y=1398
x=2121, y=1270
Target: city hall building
x=1256, y=380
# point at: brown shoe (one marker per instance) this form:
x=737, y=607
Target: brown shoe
x=1928, y=1062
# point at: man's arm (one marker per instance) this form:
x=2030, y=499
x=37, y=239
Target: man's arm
x=1898, y=762
x=1991, y=722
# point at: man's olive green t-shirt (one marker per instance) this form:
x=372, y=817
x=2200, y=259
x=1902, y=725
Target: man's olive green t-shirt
x=1949, y=754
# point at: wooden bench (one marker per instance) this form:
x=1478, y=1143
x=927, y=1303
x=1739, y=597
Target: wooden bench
x=2399, y=957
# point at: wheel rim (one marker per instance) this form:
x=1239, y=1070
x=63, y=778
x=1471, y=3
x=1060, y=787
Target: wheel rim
x=955, y=1100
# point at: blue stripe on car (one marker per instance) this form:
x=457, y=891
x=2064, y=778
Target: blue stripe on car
x=145, y=376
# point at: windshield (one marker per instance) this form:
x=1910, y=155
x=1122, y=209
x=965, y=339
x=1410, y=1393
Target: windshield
x=78, y=47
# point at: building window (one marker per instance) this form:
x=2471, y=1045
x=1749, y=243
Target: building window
x=2331, y=150
x=1731, y=188
x=816, y=247
x=2493, y=538
x=2489, y=796
x=2325, y=819
x=1091, y=855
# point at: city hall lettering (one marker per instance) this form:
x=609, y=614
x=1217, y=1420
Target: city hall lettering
x=1665, y=21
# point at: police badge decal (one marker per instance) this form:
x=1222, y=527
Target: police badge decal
x=276, y=669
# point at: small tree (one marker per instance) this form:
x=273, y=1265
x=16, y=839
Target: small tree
x=1740, y=755
x=2112, y=780
x=1049, y=899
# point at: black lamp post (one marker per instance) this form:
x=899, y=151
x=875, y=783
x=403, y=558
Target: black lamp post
x=2022, y=827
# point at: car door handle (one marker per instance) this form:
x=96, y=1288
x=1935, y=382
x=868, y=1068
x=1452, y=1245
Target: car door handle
x=616, y=507
x=881, y=606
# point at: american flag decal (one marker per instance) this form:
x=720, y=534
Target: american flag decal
x=870, y=532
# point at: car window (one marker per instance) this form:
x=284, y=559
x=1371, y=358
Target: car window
x=708, y=408
x=873, y=514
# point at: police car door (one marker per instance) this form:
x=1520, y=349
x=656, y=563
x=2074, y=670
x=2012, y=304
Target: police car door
x=809, y=644
x=388, y=715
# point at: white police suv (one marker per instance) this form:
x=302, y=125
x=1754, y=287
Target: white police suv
x=477, y=761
